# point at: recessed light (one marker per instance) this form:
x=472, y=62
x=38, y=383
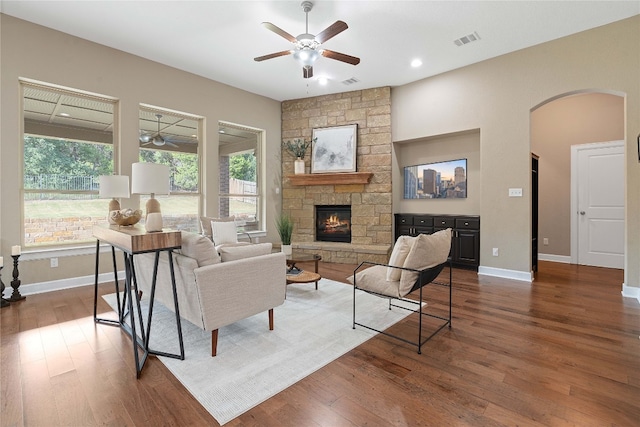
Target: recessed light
x=323, y=81
x=416, y=63
x=221, y=131
x=65, y=114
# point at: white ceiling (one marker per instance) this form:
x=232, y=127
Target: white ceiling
x=219, y=39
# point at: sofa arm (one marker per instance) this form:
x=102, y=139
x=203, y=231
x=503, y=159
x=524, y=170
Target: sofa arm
x=235, y=290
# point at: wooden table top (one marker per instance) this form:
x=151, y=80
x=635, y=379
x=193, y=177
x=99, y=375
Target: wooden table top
x=135, y=239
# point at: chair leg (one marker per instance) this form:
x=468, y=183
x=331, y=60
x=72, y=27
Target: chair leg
x=214, y=342
x=271, y=319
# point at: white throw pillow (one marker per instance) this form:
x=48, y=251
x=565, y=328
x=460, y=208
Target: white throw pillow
x=232, y=253
x=224, y=232
x=398, y=256
x=428, y=250
x=205, y=224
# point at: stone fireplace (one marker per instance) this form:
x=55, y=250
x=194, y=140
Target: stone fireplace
x=367, y=192
x=333, y=223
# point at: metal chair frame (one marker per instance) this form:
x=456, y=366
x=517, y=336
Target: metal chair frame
x=425, y=277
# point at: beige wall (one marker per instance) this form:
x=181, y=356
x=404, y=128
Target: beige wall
x=496, y=96
x=34, y=52
x=555, y=127
x=439, y=149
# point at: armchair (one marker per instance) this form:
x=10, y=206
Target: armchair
x=415, y=262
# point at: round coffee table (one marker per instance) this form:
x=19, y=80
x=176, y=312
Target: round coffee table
x=304, y=276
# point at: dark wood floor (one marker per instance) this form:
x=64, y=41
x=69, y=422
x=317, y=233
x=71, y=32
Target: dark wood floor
x=561, y=352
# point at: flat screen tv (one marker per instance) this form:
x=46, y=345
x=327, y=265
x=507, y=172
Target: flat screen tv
x=444, y=180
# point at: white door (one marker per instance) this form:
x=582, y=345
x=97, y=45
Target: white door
x=599, y=205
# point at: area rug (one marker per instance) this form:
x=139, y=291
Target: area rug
x=312, y=328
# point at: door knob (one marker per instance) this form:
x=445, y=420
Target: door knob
x=582, y=212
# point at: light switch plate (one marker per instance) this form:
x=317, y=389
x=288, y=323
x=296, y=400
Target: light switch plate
x=515, y=192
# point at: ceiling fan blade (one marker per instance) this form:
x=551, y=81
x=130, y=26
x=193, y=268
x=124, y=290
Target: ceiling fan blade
x=279, y=31
x=341, y=57
x=146, y=143
x=307, y=72
x=331, y=31
x=171, y=144
x=272, y=55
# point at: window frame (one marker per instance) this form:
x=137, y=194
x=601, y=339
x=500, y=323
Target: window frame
x=260, y=173
x=25, y=85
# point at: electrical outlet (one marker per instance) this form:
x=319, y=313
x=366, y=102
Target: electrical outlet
x=54, y=262
x=495, y=252
x=545, y=241
x=515, y=192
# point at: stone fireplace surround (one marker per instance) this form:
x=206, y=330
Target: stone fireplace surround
x=368, y=191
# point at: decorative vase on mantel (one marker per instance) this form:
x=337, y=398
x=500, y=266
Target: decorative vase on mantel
x=298, y=166
x=287, y=249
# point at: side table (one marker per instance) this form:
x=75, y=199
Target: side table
x=305, y=276
x=132, y=241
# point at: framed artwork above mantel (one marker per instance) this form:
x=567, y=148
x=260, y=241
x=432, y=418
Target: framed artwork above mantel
x=334, y=149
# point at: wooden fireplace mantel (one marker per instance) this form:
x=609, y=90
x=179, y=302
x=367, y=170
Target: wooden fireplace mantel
x=330, y=178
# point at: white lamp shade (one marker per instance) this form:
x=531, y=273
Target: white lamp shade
x=149, y=178
x=114, y=186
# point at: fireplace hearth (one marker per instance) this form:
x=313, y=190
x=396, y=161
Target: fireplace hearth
x=333, y=223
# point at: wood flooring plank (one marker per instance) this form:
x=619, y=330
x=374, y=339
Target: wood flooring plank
x=71, y=401
x=11, y=407
x=38, y=395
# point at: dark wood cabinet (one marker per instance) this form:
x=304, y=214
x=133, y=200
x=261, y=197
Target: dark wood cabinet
x=465, y=245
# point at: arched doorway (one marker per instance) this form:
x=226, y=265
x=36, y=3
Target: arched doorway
x=557, y=125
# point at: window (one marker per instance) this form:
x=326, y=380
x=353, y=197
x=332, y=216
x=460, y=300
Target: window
x=240, y=175
x=67, y=145
x=171, y=138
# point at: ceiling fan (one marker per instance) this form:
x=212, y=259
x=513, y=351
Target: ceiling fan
x=158, y=139
x=307, y=47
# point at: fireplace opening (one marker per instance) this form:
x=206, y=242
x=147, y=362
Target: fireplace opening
x=333, y=223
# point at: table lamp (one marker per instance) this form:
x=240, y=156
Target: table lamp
x=114, y=186
x=152, y=179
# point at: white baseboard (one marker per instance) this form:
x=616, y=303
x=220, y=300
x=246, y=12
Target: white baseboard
x=507, y=274
x=631, y=292
x=554, y=258
x=56, y=285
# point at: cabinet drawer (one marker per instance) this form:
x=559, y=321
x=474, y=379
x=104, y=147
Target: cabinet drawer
x=443, y=222
x=423, y=221
x=467, y=224
x=405, y=220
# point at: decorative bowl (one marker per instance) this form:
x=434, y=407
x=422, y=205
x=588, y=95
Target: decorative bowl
x=126, y=217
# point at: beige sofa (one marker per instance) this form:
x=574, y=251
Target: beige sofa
x=215, y=290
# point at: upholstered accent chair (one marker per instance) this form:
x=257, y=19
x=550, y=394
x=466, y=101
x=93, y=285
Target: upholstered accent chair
x=415, y=262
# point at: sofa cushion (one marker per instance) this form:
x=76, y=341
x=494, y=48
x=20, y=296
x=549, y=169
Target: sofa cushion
x=205, y=223
x=374, y=279
x=398, y=256
x=428, y=250
x=199, y=248
x=232, y=253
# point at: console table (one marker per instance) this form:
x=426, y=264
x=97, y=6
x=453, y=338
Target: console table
x=132, y=241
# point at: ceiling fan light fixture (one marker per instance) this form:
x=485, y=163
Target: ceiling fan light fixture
x=306, y=57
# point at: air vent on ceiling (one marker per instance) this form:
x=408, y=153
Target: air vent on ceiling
x=350, y=81
x=467, y=39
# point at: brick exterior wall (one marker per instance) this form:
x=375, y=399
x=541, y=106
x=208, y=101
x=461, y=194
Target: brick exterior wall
x=371, y=210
